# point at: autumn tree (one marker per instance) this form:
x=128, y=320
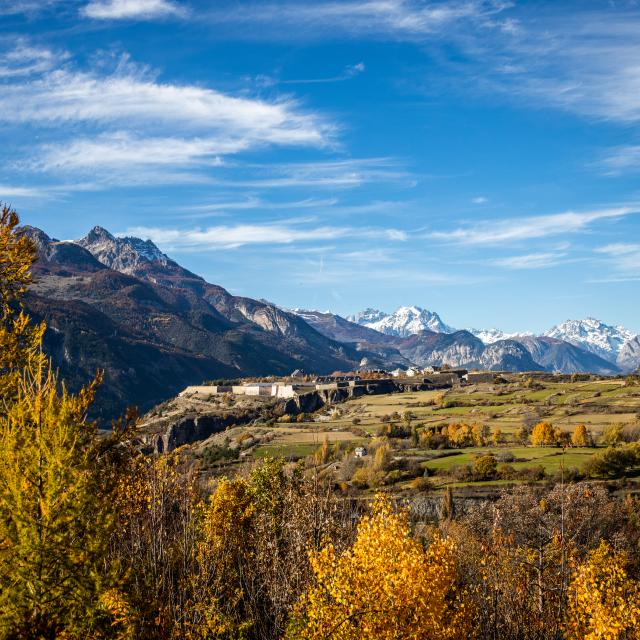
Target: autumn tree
x=580, y=437
x=612, y=435
x=56, y=476
x=485, y=467
x=604, y=602
x=385, y=586
x=19, y=338
x=516, y=555
x=543, y=435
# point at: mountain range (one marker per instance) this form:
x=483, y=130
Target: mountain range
x=153, y=327
x=615, y=344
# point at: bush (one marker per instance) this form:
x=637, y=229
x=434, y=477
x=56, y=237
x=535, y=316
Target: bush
x=422, y=483
x=215, y=453
x=614, y=462
x=485, y=467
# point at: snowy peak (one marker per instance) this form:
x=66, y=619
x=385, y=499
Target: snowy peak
x=403, y=322
x=126, y=255
x=593, y=335
x=367, y=316
x=489, y=336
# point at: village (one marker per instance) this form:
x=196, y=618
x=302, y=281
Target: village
x=358, y=383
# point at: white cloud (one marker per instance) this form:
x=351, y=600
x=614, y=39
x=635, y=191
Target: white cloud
x=519, y=229
x=233, y=236
x=120, y=120
x=480, y=200
x=530, y=261
x=121, y=149
x=131, y=9
x=8, y=191
x=23, y=59
x=124, y=97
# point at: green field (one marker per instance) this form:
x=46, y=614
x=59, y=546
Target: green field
x=596, y=404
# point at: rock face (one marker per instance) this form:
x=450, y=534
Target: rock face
x=629, y=355
x=507, y=355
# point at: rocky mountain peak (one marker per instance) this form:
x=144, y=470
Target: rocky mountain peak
x=127, y=255
x=99, y=234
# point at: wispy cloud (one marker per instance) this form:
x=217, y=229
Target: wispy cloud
x=348, y=173
x=132, y=9
x=369, y=18
x=234, y=236
x=24, y=59
x=582, y=61
x=349, y=72
x=624, y=258
x=622, y=159
x=119, y=120
x=531, y=261
x=518, y=229
x=8, y=191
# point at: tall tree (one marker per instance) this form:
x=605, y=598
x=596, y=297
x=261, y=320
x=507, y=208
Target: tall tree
x=55, y=511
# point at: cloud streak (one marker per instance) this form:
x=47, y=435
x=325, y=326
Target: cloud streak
x=366, y=18
x=132, y=9
x=238, y=235
x=530, y=261
x=490, y=232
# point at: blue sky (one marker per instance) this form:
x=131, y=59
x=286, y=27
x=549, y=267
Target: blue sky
x=478, y=158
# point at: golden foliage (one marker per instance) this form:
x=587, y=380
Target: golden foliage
x=604, y=603
x=385, y=586
x=544, y=434
x=580, y=437
x=19, y=339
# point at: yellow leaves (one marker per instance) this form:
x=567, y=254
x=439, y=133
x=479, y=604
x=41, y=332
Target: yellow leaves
x=604, y=603
x=543, y=434
x=385, y=586
x=580, y=437
x=119, y=611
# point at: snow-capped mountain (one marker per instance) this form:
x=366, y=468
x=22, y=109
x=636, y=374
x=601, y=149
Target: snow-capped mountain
x=595, y=336
x=367, y=316
x=403, y=322
x=489, y=336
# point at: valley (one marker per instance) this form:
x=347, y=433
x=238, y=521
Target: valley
x=419, y=433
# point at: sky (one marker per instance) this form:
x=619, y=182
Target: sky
x=479, y=158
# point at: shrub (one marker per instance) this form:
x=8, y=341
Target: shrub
x=422, y=483
x=485, y=467
x=216, y=453
x=613, y=462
